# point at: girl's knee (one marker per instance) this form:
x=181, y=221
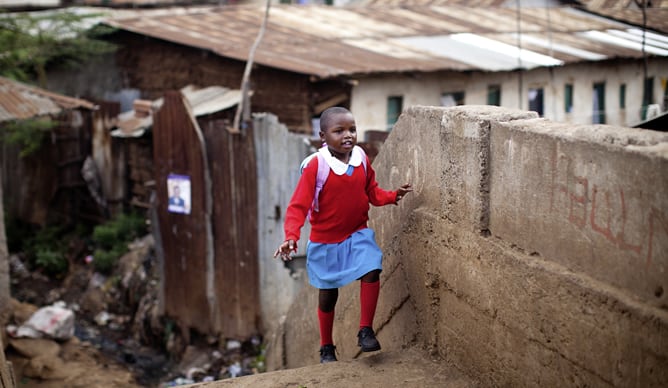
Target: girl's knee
x=327, y=299
x=371, y=277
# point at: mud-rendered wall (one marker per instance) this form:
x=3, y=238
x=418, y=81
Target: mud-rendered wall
x=531, y=253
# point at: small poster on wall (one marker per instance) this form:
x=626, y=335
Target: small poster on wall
x=178, y=188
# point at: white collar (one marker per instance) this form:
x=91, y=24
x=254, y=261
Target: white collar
x=338, y=166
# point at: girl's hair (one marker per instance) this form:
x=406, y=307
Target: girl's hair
x=326, y=116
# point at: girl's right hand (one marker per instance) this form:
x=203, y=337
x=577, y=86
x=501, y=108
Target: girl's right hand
x=285, y=250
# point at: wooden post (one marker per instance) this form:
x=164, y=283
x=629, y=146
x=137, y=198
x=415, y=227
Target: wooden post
x=7, y=379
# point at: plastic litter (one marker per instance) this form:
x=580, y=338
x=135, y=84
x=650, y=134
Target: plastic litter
x=53, y=321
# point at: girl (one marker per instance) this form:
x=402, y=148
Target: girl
x=341, y=246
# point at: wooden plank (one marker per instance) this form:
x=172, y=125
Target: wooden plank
x=7, y=378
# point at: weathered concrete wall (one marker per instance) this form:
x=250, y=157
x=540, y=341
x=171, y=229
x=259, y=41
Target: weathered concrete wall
x=531, y=253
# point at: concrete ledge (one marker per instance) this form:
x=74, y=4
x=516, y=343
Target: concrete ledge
x=590, y=198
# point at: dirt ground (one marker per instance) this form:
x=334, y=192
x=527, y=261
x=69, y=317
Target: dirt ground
x=80, y=365
x=409, y=368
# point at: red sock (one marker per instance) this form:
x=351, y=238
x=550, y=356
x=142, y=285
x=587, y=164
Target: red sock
x=326, y=320
x=368, y=300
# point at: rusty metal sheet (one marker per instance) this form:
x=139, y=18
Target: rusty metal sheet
x=210, y=255
x=21, y=101
x=656, y=17
x=235, y=209
x=202, y=101
x=177, y=149
x=328, y=41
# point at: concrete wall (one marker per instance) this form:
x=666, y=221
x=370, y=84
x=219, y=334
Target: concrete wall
x=369, y=98
x=531, y=253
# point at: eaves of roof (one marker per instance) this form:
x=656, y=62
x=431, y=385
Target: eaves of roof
x=19, y=101
x=326, y=42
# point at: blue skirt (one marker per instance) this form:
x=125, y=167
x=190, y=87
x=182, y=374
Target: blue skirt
x=335, y=265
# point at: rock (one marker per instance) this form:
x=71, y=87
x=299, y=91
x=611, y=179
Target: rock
x=46, y=368
x=22, y=311
x=93, y=301
x=35, y=347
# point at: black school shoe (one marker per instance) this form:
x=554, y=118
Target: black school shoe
x=366, y=339
x=327, y=354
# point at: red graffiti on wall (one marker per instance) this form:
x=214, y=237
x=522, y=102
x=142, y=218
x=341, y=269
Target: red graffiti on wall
x=606, y=229
x=603, y=210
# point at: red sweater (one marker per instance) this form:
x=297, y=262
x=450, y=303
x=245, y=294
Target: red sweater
x=344, y=203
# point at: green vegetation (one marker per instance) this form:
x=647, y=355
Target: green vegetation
x=259, y=362
x=32, y=43
x=50, y=248
x=111, y=239
x=28, y=134
x=47, y=248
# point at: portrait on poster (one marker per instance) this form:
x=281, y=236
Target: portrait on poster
x=178, y=188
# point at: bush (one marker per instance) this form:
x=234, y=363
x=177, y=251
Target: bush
x=105, y=260
x=47, y=249
x=53, y=262
x=111, y=239
x=28, y=134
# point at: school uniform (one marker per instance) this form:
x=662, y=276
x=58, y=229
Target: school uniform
x=341, y=246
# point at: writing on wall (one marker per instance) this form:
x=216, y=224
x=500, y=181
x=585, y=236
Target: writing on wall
x=615, y=210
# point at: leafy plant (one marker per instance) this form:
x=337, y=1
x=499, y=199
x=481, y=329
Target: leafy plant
x=111, y=239
x=105, y=260
x=31, y=43
x=47, y=249
x=259, y=362
x=28, y=134
x=52, y=261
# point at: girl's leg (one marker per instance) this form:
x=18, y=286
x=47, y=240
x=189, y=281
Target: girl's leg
x=369, y=290
x=326, y=302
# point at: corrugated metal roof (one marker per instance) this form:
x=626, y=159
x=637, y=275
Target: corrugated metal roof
x=203, y=101
x=19, y=101
x=331, y=41
x=656, y=17
x=7, y=4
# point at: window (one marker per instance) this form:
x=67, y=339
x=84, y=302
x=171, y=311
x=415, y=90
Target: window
x=648, y=92
x=536, y=100
x=494, y=95
x=598, y=103
x=622, y=96
x=452, y=99
x=568, y=98
x=395, y=104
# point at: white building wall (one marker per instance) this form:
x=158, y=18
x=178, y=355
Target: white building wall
x=369, y=96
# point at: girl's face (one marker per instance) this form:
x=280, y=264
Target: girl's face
x=341, y=135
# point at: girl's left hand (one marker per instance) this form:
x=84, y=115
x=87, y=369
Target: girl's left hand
x=403, y=190
x=286, y=249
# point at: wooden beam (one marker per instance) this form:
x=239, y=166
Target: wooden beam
x=330, y=102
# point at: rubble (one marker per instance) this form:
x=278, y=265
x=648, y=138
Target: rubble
x=112, y=323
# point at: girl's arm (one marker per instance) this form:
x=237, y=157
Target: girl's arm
x=300, y=203
x=379, y=196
